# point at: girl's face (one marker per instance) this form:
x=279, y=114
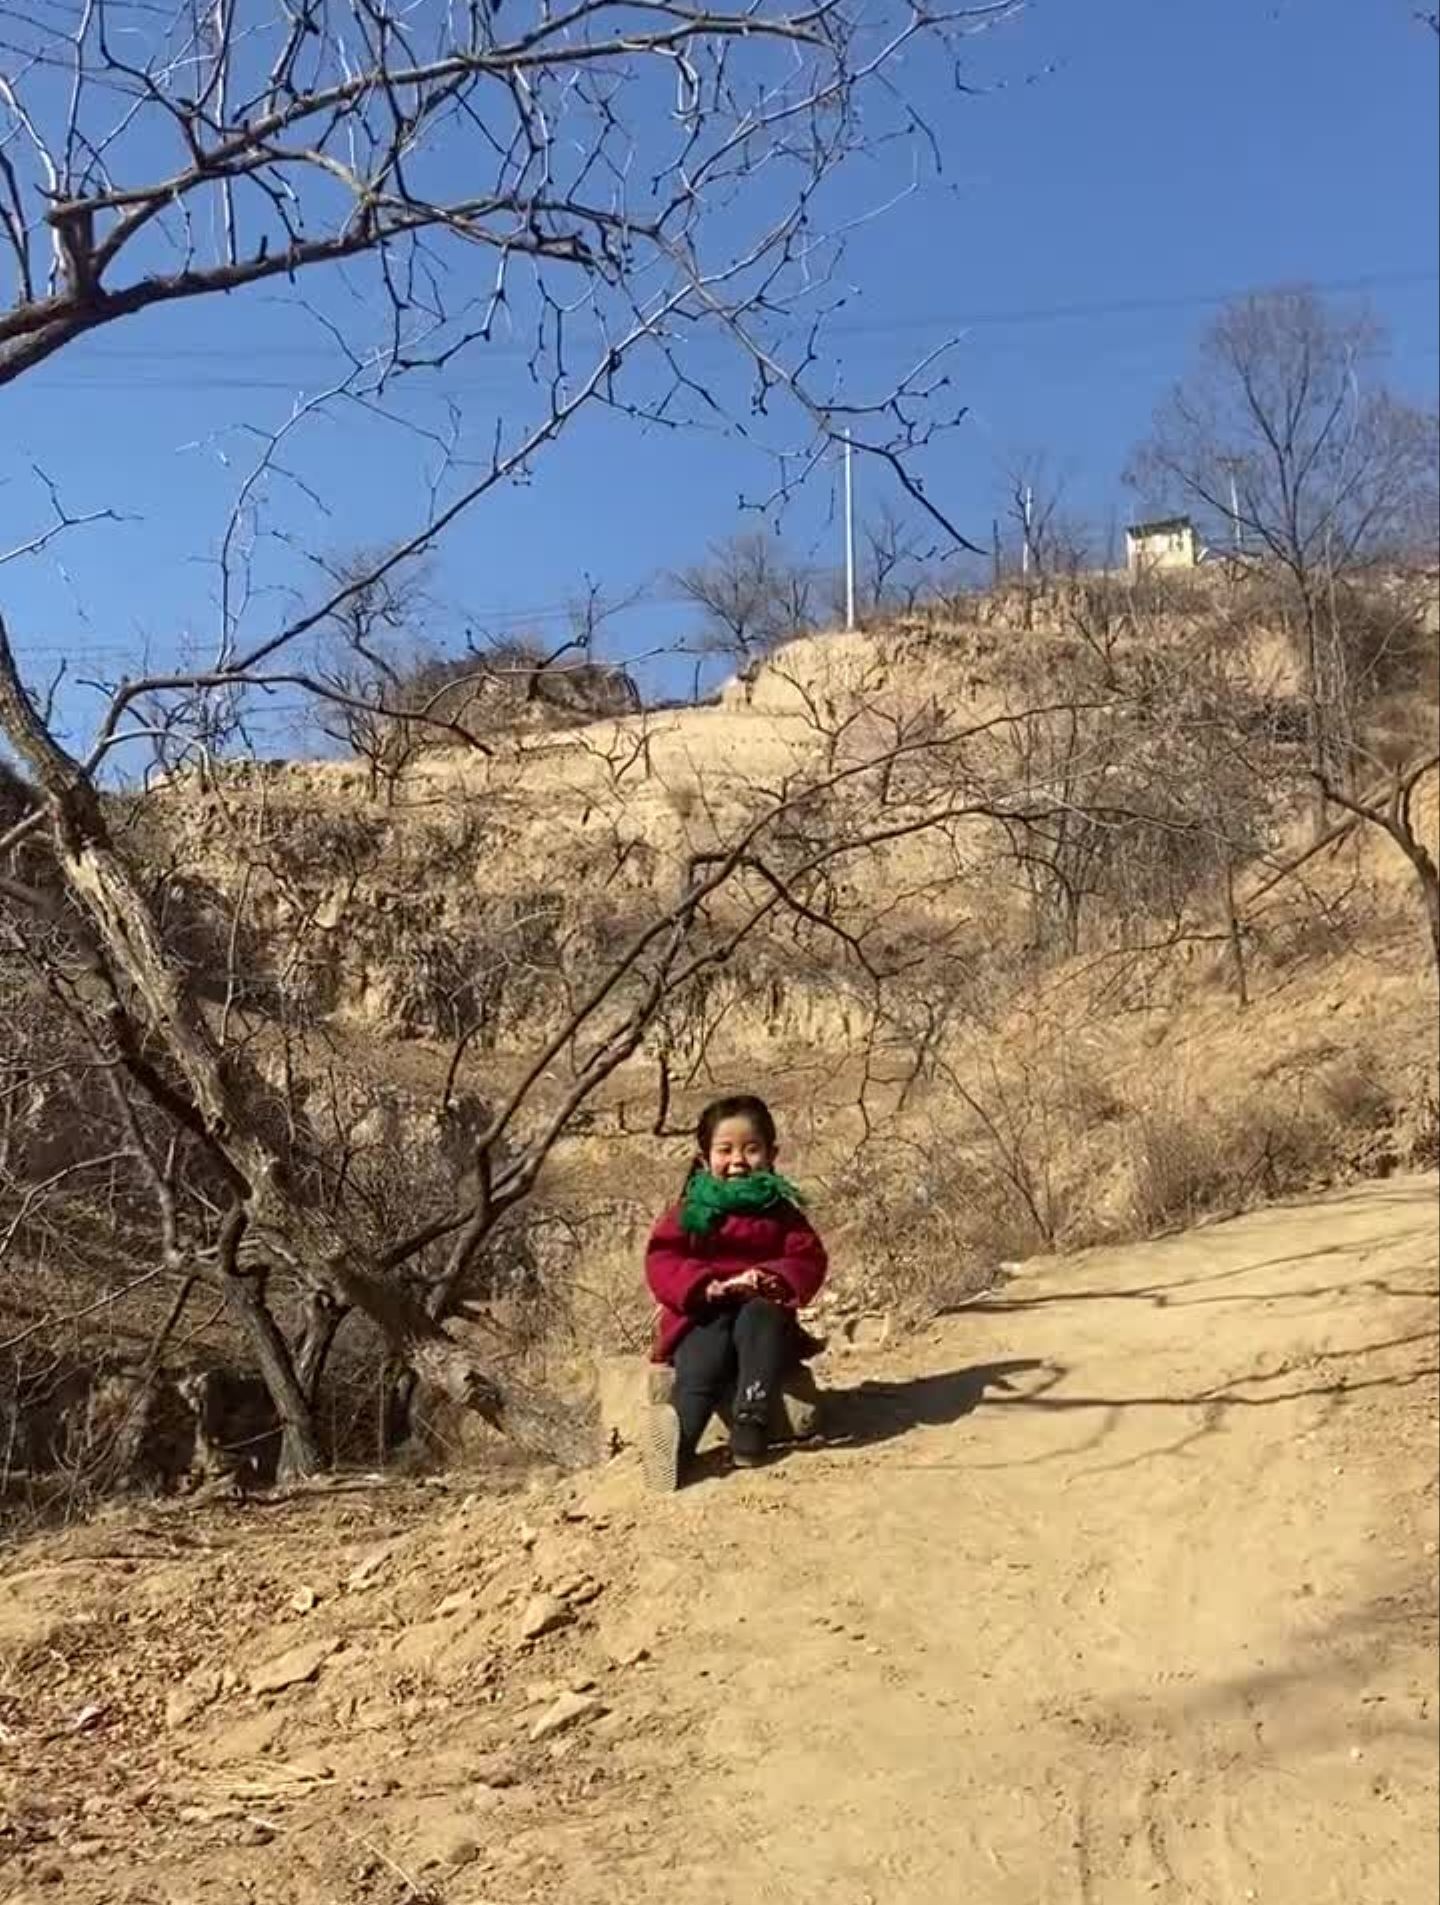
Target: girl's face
x=737, y=1148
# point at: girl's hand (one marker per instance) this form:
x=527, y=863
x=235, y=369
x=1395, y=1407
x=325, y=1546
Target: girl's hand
x=749, y=1283
x=741, y=1284
x=759, y=1283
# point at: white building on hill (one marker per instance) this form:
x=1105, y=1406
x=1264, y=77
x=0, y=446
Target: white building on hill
x=1167, y=544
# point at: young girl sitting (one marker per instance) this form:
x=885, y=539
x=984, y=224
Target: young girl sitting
x=729, y=1266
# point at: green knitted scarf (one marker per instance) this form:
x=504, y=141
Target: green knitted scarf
x=709, y=1200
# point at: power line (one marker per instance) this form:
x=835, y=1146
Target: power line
x=483, y=621
x=1024, y=314
x=840, y=327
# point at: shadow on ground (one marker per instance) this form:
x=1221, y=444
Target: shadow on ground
x=1198, y=1287
x=874, y=1412
x=879, y=1411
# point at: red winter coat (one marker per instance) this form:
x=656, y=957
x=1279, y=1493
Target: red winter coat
x=678, y=1265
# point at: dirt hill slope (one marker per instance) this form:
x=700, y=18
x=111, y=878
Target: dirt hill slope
x=1117, y=1586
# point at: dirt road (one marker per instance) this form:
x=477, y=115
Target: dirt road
x=1117, y=1587
x=1122, y=1591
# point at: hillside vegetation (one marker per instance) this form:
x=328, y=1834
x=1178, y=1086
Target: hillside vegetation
x=1022, y=921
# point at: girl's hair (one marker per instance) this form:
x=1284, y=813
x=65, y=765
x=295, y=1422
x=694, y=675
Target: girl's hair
x=742, y=1105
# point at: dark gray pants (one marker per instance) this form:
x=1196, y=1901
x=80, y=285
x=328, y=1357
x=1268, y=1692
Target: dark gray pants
x=737, y=1356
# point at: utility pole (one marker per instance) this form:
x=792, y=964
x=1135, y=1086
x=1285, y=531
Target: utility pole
x=1234, y=510
x=1028, y=507
x=849, y=533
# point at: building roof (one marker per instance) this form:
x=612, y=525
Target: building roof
x=1164, y=525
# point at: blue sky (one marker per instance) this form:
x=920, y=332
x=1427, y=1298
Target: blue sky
x=1132, y=163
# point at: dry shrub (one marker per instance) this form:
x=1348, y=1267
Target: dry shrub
x=1280, y=1150
x=1325, y=912
x=1186, y=1164
x=993, y=1229
x=1176, y=1168
x=1093, y=1100
x=1319, y=934
x=924, y=1227
x=1422, y=1150
x=1388, y=651
x=611, y=1310
x=575, y=1282
x=1354, y=1098
x=683, y=799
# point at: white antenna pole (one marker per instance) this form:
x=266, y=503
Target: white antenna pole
x=849, y=533
x=1025, y=544
x=1234, y=511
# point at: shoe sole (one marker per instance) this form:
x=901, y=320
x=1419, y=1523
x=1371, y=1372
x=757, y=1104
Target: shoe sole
x=660, y=1448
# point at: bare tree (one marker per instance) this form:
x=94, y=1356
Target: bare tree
x=387, y=692
x=1391, y=805
x=894, y=571
x=153, y=158
x=1284, y=441
x=750, y=594
x=371, y=652
x=1037, y=541
x=895, y=564
x=1032, y=503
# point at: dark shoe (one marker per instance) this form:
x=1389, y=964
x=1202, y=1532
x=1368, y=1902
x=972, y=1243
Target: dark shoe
x=749, y=1441
x=660, y=1449
x=795, y=1408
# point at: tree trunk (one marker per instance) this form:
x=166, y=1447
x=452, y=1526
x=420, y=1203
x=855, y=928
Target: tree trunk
x=1430, y=888
x=111, y=900
x=1428, y=877
x=1074, y=902
x=1237, y=943
x=1325, y=710
x=396, y=1416
x=1315, y=723
x=300, y=1451
x=323, y=1318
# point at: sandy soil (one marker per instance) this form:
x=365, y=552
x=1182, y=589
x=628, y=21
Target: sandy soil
x=1118, y=1586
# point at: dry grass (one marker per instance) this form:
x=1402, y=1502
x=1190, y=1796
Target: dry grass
x=1187, y=1163
x=1036, y=1124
